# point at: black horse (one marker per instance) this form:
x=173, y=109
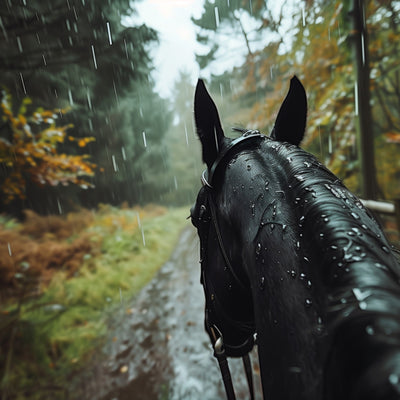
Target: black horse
x=289, y=253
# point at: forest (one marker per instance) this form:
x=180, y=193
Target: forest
x=97, y=170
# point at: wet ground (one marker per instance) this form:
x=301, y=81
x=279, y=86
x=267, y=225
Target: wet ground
x=159, y=349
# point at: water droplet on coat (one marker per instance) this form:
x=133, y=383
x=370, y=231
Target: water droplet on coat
x=308, y=303
x=262, y=283
x=369, y=329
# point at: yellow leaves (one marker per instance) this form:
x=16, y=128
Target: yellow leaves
x=82, y=142
x=32, y=154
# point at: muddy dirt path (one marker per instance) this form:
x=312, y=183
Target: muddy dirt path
x=159, y=350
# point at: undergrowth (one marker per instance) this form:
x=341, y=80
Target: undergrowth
x=61, y=278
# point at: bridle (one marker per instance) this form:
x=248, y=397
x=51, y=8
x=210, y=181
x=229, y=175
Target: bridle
x=207, y=215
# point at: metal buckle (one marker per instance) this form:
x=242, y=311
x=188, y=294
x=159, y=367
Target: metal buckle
x=204, y=179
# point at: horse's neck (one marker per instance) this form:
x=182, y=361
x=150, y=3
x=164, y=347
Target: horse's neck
x=270, y=251
x=286, y=318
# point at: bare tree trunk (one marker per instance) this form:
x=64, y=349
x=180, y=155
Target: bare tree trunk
x=366, y=138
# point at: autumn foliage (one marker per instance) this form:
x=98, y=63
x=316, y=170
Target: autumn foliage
x=321, y=55
x=42, y=246
x=29, y=151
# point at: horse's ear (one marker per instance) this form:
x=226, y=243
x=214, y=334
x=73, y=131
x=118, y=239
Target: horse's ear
x=209, y=129
x=290, y=123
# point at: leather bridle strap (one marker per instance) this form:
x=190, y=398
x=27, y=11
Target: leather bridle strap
x=219, y=350
x=219, y=354
x=217, y=340
x=249, y=374
x=220, y=242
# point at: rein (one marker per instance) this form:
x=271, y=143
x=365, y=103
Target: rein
x=211, y=322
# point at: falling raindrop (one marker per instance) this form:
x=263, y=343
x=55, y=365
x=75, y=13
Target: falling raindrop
x=9, y=249
x=144, y=139
x=216, y=11
x=109, y=34
x=303, y=15
x=356, y=98
x=59, y=206
x=186, y=135
x=143, y=238
x=330, y=143
x=3, y=29
x=126, y=49
x=115, y=166
x=71, y=100
x=88, y=98
x=123, y=153
x=175, y=183
x=363, y=48
x=19, y=44
x=94, y=57
x=23, y=83
x=115, y=92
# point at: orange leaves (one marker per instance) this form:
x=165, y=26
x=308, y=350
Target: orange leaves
x=30, y=151
x=392, y=137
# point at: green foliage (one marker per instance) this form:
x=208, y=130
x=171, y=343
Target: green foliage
x=81, y=55
x=221, y=19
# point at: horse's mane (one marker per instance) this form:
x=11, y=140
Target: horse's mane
x=360, y=272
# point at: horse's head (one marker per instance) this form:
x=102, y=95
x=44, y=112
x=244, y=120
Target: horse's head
x=222, y=207
x=288, y=252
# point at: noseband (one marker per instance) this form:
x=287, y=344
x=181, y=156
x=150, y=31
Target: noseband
x=207, y=215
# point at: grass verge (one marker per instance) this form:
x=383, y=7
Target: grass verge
x=49, y=336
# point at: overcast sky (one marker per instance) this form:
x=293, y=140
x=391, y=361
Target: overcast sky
x=172, y=19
